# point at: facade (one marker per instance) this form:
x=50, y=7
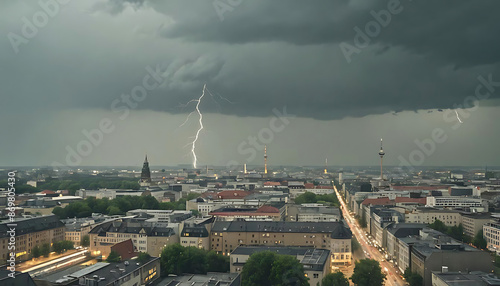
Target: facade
x=429, y=215
x=30, y=232
x=227, y=236
x=455, y=202
x=196, y=236
x=146, y=237
x=473, y=222
x=264, y=213
x=397, y=231
x=316, y=262
x=491, y=232
x=77, y=228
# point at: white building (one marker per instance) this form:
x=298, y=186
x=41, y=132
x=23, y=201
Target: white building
x=455, y=202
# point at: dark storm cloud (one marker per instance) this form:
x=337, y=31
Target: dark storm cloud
x=263, y=55
x=459, y=32
x=428, y=56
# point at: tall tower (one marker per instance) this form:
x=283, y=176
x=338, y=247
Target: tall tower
x=381, y=153
x=326, y=166
x=245, y=168
x=145, y=174
x=265, y=159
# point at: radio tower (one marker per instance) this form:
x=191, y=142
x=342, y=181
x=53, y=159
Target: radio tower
x=265, y=159
x=381, y=153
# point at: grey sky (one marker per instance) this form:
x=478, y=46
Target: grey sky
x=263, y=55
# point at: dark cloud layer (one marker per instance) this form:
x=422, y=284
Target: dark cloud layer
x=263, y=55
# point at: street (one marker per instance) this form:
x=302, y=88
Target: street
x=392, y=278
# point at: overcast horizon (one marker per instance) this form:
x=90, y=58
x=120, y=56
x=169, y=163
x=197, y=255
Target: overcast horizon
x=104, y=82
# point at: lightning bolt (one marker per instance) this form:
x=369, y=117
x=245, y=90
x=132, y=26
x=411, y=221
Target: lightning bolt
x=200, y=121
x=458, y=117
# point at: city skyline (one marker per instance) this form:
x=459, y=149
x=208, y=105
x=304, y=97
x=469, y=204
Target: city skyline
x=337, y=96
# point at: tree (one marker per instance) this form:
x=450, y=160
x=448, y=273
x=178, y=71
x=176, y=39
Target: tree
x=113, y=257
x=439, y=226
x=287, y=270
x=413, y=278
x=113, y=210
x=367, y=272
x=176, y=259
x=479, y=240
x=170, y=259
x=257, y=269
x=45, y=249
x=60, y=212
x=85, y=242
x=217, y=262
x=143, y=257
x=35, y=252
x=335, y=279
x=62, y=246
x=305, y=198
x=267, y=268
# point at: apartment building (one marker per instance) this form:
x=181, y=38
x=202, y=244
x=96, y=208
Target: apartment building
x=30, y=232
x=146, y=236
x=427, y=215
x=226, y=236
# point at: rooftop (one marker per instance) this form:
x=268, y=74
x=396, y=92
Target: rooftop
x=30, y=225
x=282, y=226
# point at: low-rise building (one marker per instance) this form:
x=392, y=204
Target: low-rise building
x=265, y=213
x=455, y=256
x=209, y=279
x=313, y=213
x=456, y=202
x=146, y=236
x=127, y=273
x=428, y=215
x=316, y=261
x=476, y=278
x=474, y=222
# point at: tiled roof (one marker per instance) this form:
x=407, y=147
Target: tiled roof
x=378, y=201
x=234, y=194
x=268, y=209
x=125, y=249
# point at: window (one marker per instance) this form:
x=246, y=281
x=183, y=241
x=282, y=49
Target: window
x=316, y=275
